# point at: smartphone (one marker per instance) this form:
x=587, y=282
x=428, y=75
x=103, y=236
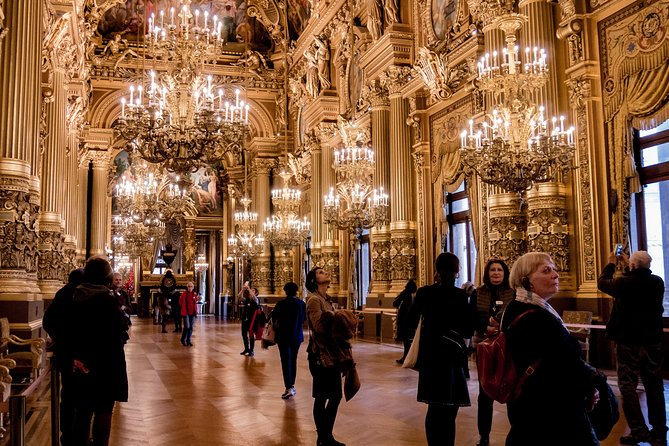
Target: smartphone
x=619, y=250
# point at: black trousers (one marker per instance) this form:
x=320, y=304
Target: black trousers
x=484, y=416
x=288, y=354
x=249, y=344
x=176, y=310
x=101, y=414
x=440, y=424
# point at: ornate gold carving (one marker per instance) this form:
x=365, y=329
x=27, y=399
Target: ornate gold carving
x=507, y=227
x=329, y=260
x=3, y=29
x=300, y=161
x=18, y=234
x=283, y=271
x=270, y=13
x=263, y=166
x=396, y=77
x=441, y=80
x=403, y=256
x=381, y=271
x=52, y=260
x=572, y=32
x=486, y=12
x=579, y=93
x=419, y=164
x=374, y=94
x=547, y=229
x=189, y=247
x=261, y=272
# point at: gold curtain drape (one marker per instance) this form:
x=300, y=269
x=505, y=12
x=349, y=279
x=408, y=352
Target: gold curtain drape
x=646, y=96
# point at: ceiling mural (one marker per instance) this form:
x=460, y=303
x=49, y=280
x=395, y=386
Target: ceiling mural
x=299, y=12
x=241, y=32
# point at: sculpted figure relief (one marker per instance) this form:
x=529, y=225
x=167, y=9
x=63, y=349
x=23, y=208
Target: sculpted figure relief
x=322, y=55
x=374, y=18
x=118, y=47
x=3, y=30
x=391, y=12
x=312, y=75
x=254, y=62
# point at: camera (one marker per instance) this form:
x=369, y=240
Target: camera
x=619, y=250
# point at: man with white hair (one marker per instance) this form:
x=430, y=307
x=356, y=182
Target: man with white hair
x=636, y=327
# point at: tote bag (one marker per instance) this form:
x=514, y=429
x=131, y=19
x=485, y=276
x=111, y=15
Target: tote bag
x=411, y=360
x=268, y=334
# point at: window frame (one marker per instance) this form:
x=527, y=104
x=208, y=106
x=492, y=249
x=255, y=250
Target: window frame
x=455, y=218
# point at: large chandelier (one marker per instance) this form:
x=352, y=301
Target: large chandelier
x=244, y=241
x=516, y=146
x=355, y=206
x=180, y=117
x=284, y=229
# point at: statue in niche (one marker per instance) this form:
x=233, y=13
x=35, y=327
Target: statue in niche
x=374, y=22
x=312, y=76
x=391, y=12
x=322, y=55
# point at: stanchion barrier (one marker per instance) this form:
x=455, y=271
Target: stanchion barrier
x=17, y=416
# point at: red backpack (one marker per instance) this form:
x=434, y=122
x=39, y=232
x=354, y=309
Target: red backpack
x=498, y=375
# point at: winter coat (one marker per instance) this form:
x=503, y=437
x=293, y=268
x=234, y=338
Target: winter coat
x=188, y=303
x=551, y=408
x=288, y=318
x=99, y=333
x=636, y=317
x=447, y=313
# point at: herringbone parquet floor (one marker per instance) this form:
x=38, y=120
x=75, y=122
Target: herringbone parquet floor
x=210, y=395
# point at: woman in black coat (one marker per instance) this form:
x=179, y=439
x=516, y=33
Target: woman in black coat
x=553, y=403
x=448, y=319
x=98, y=336
x=288, y=318
x=404, y=329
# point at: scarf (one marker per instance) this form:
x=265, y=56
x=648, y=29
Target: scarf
x=528, y=297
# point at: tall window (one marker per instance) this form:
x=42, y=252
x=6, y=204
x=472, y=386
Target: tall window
x=650, y=207
x=460, y=238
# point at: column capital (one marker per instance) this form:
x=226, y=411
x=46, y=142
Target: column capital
x=99, y=158
x=376, y=94
x=395, y=78
x=263, y=166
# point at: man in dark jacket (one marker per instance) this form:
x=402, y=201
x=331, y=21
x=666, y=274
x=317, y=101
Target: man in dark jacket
x=57, y=323
x=288, y=318
x=636, y=327
x=99, y=333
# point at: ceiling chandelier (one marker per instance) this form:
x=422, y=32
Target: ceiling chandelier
x=284, y=229
x=516, y=146
x=355, y=205
x=245, y=242
x=180, y=117
x=201, y=264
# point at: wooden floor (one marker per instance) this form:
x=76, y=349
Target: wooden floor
x=210, y=395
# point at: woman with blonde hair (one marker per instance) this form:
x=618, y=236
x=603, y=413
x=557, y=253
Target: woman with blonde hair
x=551, y=409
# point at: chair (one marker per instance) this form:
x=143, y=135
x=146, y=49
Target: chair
x=581, y=334
x=28, y=362
x=5, y=391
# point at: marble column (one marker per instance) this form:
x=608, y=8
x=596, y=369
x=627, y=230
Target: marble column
x=72, y=221
x=402, y=212
x=20, y=90
x=380, y=236
x=99, y=217
x=52, y=265
x=507, y=226
x=261, y=268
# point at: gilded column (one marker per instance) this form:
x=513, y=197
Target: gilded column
x=329, y=258
x=402, y=214
x=72, y=181
x=539, y=32
x=99, y=217
x=317, y=225
x=507, y=226
x=380, y=236
x=82, y=207
x=423, y=190
x=20, y=96
x=51, y=270
x=189, y=246
x=261, y=268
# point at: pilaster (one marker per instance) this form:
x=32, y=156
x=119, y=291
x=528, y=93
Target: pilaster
x=99, y=217
x=507, y=226
x=261, y=269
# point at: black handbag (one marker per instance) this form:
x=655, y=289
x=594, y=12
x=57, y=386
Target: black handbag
x=606, y=413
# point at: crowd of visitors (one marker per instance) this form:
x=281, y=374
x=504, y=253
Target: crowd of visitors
x=89, y=319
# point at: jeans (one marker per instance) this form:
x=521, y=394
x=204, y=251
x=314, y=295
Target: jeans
x=288, y=354
x=645, y=362
x=248, y=344
x=187, y=332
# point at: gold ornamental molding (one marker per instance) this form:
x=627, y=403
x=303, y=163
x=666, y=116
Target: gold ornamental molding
x=394, y=48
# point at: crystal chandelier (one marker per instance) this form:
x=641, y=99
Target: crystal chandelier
x=516, y=146
x=201, y=264
x=245, y=242
x=355, y=206
x=284, y=229
x=181, y=118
